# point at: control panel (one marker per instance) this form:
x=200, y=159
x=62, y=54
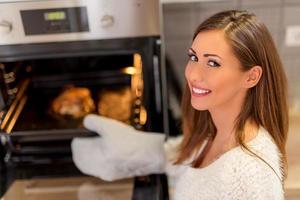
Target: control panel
x=39, y=21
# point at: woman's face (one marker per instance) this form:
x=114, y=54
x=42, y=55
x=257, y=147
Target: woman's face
x=213, y=73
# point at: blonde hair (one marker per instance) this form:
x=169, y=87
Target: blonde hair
x=265, y=104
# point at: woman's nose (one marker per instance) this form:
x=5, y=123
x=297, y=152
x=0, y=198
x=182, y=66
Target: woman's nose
x=195, y=72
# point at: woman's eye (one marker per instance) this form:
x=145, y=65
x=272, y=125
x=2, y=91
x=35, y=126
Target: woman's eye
x=213, y=63
x=193, y=57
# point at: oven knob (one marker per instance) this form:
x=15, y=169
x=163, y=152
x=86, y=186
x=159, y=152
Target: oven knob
x=107, y=21
x=5, y=27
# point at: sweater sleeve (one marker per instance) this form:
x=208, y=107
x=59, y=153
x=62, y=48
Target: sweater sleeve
x=171, y=148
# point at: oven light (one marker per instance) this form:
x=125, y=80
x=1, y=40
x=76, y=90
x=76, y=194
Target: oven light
x=143, y=116
x=129, y=70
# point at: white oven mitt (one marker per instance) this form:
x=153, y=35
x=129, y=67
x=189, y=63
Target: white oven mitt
x=119, y=152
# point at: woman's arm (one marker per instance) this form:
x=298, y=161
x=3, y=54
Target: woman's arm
x=121, y=151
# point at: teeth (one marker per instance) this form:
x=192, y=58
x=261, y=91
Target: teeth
x=200, y=91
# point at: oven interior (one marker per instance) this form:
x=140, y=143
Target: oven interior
x=31, y=129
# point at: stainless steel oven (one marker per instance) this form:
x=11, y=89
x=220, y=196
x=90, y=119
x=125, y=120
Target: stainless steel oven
x=108, y=49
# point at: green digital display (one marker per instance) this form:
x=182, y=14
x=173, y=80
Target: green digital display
x=55, y=15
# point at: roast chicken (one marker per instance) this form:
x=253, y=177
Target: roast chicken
x=74, y=101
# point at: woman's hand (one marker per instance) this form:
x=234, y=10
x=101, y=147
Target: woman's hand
x=119, y=152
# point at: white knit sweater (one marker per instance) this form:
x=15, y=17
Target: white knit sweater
x=235, y=175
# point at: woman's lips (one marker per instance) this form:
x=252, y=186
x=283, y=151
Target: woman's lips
x=199, y=92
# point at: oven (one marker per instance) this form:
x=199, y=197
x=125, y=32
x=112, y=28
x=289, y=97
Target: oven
x=109, y=50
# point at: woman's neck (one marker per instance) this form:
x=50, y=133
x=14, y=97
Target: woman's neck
x=225, y=122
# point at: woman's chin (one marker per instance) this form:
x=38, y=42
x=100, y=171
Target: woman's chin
x=199, y=107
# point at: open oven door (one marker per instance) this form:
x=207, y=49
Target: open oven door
x=36, y=141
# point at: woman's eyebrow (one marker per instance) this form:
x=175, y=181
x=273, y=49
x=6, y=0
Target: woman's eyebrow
x=208, y=54
x=192, y=50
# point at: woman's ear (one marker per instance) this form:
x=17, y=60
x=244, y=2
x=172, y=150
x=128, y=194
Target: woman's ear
x=253, y=76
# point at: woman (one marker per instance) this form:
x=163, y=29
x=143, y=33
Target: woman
x=235, y=120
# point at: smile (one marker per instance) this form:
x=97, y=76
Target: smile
x=200, y=91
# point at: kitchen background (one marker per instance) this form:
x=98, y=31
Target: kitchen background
x=180, y=19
